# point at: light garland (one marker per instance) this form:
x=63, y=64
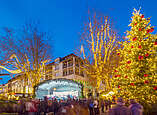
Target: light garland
x=136, y=76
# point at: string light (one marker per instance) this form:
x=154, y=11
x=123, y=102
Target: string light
x=139, y=80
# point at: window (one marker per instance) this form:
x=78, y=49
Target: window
x=70, y=63
x=57, y=67
x=77, y=62
x=64, y=64
x=46, y=77
x=49, y=73
x=71, y=71
x=82, y=74
x=81, y=63
x=48, y=69
x=76, y=71
x=64, y=72
x=41, y=79
x=57, y=74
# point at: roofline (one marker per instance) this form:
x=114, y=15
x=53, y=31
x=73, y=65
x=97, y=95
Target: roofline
x=72, y=54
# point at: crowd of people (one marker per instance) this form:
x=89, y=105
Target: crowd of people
x=118, y=108
x=52, y=107
x=78, y=107
x=96, y=107
x=121, y=109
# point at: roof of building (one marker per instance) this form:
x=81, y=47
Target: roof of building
x=52, y=63
x=63, y=58
x=17, y=76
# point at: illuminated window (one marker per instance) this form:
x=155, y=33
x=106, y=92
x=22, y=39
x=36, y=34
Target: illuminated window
x=46, y=77
x=81, y=73
x=57, y=74
x=76, y=62
x=76, y=71
x=71, y=71
x=65, y=72
x=64, y=64
x=70, y=63
x=57, y=67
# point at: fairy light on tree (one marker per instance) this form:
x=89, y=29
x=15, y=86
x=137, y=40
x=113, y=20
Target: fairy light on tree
x=99, y=53
x=136, y=76
x=26, y=52
x=29, y=76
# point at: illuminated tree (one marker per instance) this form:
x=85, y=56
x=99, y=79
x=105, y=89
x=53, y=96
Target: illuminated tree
x=136, y=77
x=26, y=52
x=99, y=52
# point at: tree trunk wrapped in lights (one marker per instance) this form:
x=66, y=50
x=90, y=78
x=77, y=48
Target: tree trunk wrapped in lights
x=99, y=52
x=136, y=76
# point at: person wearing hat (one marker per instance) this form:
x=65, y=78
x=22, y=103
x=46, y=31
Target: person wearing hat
x=136, y=108
x=120, y=108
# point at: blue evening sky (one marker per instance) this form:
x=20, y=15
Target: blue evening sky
x=64, y=19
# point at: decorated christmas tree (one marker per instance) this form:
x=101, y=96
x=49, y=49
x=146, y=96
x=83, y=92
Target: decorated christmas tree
x=136, y=77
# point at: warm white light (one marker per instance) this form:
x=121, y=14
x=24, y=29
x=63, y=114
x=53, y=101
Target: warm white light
x=110, y=93
x=66, y=93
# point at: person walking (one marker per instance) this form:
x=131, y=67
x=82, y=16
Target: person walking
x=96, y=107
x=51, y=107
x=120, y=108
x=39, y=107
x=90, y=107
x=30, y=108
x=136, y=108
x=102, y=106
x=44, y=105
x=21, y=107
x=106, y=104
x=35, y=104
x=109, y=103
x=56, y=106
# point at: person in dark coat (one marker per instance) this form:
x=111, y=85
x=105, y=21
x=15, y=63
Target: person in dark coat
x=136, y=108
x=90, y=106
x=106, y=104
x=51, y=107
x=120, y=108
x=56, y=106
x=22, y=107
x=102, y=106
x=109, y=103
x=44, y=105
x=39, y=110
x=96, y=107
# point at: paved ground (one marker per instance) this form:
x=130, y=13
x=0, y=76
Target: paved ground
x=8, y=113
x=105, y=113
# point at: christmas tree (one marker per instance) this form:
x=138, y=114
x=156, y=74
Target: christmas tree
x=136, y=77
